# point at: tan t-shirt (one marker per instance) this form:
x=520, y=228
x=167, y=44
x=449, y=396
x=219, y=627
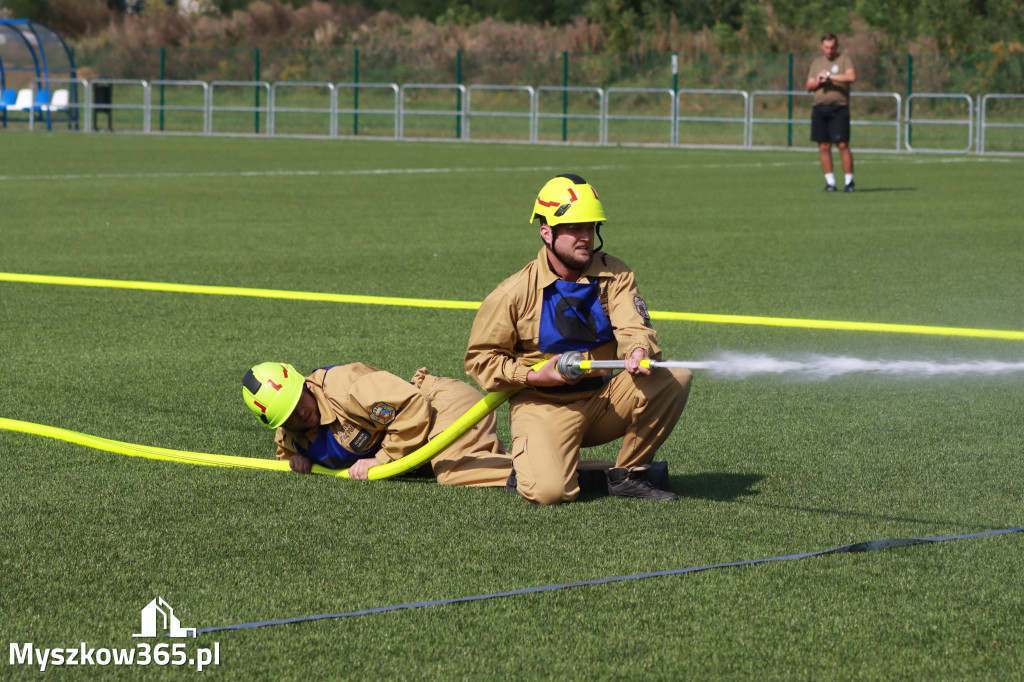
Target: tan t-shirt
x=831, y=92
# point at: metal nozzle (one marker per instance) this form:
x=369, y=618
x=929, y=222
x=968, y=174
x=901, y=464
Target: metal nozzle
x=569, y=365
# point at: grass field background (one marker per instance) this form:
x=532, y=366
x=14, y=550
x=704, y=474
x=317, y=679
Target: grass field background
x=765, y=466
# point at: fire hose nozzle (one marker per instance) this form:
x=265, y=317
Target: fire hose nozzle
x=569, y=365
x=573, y=365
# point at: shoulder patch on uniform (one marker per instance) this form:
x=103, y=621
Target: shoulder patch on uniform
x=382, y=413
x=641, y=308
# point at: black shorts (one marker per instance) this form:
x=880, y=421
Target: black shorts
x=830, y=123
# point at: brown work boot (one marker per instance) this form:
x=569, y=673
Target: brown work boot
x=625, y=483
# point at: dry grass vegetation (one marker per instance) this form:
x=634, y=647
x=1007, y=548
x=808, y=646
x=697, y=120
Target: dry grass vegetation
x=316, y=42
x=273, y=24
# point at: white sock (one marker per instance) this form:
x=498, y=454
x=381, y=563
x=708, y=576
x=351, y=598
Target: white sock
x=849, y=178
x=830, y=178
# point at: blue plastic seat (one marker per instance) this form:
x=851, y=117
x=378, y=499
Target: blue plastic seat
x=42, y=100
x=8, y=98
x=26, y=102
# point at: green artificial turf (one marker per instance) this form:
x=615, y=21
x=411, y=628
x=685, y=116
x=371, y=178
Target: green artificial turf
x=765, y=466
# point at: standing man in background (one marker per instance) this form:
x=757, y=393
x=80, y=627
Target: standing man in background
x=830, y=78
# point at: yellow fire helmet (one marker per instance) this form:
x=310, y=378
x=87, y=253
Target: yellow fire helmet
x=568, y=199
x=272, y=390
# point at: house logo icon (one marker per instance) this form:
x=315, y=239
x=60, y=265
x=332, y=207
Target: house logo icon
x=171, y=625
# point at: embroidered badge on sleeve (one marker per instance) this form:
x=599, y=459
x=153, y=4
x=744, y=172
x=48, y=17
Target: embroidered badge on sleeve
x=382, y=413
x=641, y=308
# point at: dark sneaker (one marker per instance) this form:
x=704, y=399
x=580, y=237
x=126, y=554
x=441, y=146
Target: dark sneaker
x=656, y=473
x=625, y=483
x=849, y=187
x=512, y=485
x=830, y=188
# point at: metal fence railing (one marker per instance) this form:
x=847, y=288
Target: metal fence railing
x=874, y=115
x=985, y=70
x=663, y=117
x=190, y=97
x=136, y=103
x=280, y=94
x=380, y=106
x=692, y=113
x=483, y=106
x=956, y=120
x=574, y=114
x=924, y=122
x=409, y=110
x=1014, y=122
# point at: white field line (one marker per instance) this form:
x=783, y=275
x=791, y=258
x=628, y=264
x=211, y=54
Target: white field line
x=269, y=173
x=437, y=171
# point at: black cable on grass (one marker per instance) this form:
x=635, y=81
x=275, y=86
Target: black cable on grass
x=869, y=546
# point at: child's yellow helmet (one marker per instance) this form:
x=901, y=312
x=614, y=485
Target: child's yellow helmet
x=272, y=390
x=568, y=199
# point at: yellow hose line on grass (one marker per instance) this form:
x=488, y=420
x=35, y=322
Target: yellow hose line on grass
x=410, y=461
x=146, y=450
x=837, y=325
x=236, y=291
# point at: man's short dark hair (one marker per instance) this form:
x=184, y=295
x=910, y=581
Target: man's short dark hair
x=829, y=36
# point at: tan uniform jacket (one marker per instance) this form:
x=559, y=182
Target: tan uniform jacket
x=831, y=92
x=503, y=344
x=363, y=407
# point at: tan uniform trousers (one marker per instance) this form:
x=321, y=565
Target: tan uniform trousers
x=478, y=457
x=548, y=429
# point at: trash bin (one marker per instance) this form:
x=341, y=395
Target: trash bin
x=102, y=99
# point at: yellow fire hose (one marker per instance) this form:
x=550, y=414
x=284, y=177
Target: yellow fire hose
x=485, y=406
x=481, y=409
